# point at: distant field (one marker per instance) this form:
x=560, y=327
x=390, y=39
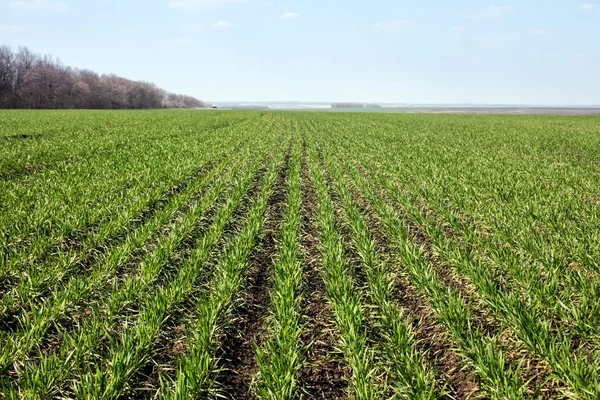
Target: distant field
x=280, y=255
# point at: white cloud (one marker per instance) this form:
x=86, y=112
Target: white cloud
x=588, y=6
x=392, y=25
x=224, y=25
x=199, y=4
x=538, y=32
x=41, y=5
x=289, y=15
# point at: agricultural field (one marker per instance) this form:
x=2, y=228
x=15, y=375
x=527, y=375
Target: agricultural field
x=298, y=255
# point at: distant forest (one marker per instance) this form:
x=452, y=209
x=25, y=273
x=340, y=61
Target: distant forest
x=34, y=81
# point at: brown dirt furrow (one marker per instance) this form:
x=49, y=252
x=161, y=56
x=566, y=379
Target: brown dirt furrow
x=170, y=345
x=450, y=279
x=353, y=258
x=433, y=340
x=237, y=358
x=324, y=375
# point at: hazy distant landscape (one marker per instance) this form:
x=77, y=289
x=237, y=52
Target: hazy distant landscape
x=411, y=108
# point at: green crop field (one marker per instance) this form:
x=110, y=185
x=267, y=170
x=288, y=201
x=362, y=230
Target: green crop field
x=281, y=255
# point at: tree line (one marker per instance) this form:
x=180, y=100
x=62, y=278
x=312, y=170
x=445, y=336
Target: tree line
x=30, y=80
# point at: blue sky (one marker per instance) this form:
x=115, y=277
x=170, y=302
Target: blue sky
x=525, y=52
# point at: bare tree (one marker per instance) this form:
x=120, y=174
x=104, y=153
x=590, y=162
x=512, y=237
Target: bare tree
x=7, y=75
x=23, y=92
x=28, y=80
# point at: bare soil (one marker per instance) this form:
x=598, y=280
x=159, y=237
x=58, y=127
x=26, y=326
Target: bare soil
x=324, y=375
x=237, y=356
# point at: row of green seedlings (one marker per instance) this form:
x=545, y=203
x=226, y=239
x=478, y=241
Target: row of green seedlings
x=482, y=352
x=551, y=217
x=538, y=265
x=574, y=367
x=565, y=216
x=48, y=275
x=565, y=293
x=197, y=369
x=549, y=281
x=47, y=374
x=132, y=349
x=542, y=284
x=66, y=298
x=280, y=357
x=348, y=311
x=562, y=283
x=97, y=206
x=33, y=232
x=404, y=363
x=170, y=168
x=569, y=298
x=510, y=148
x=44, y=263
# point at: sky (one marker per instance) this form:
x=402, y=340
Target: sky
x=460, y=51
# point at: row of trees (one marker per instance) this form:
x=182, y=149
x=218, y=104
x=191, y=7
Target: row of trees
x=29, y=80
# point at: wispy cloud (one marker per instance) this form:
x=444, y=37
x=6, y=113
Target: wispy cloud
x=495, y=41
x=392, y=25
x=492, y=11
x=538, y=32
x=41, y=5
x=552, y=55
x=458, y=29
x=129, y=28
x=588, y=6
x=499, y=9
x=224, y=25
x=174, y=41
x=200, y=4
x=11, y=28
x=289, y=15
